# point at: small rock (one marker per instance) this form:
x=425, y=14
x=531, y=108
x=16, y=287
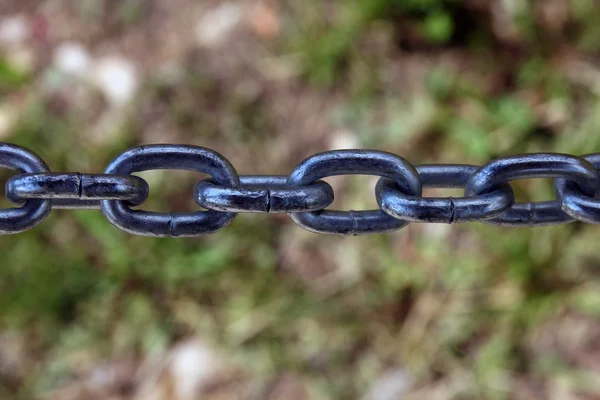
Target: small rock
x=193, y=364
x=265, y=20
x=7, y=118
x=72, y=59
x=13, y=30
x=393, y=385
x=288, y=387
x=13, y=358
x=217, y=24
x=437, y=231
x=105, y=131
x=116, y=78
x=343, y=139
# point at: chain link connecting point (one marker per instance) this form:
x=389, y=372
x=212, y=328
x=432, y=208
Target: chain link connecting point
x=446, y=210
x=148, y=223
x=575, y=202
x=489, y=197
x=541, y=165
x=348, y=162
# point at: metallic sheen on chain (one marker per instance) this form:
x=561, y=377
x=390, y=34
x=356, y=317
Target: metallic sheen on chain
x=74, y=191
x=574, y=169
x=147, y=223
x=446, y=210
x=488, y=196
x=264, y=194
x=346, y=162
x=15, y=220
x=576, y=203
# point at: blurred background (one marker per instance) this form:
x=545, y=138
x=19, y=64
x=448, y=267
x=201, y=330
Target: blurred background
x=264, y=309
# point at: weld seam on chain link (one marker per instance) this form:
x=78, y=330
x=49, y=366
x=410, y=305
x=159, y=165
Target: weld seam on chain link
x=170, y=229
x=452, y=210
x=80, y=185
x=530, y=207
x=268, y=201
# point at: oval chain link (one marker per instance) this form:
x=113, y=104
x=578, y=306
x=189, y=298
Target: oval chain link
x=346, y=162
x=264, y=194
x=75, y=190
x=540, y=165
x=446, y=210
x=575, y=202
x=15, y=220
x=148, y=223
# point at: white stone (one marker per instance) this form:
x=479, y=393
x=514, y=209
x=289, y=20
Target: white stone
x=7, y=118
x=13, y=30
x=72, y=58
x=193, y=364
x=391, y=386
x=116, y=78
x=437, y=231
x=344, y=139
x=217, y=24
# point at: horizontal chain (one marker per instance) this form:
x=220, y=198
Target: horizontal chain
x=488, y=195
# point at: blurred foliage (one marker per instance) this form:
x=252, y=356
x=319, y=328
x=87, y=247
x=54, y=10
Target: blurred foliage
x=465, y=303
x=337, y=39
x=10, y=76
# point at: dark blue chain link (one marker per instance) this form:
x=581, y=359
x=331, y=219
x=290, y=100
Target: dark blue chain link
x=347, y=162
x=264, y=194
x=75, y=190
x=15, y=220
x=148, y=223
x=577, y=204
x=443, y=210
x=574, y=169
x=488, y=196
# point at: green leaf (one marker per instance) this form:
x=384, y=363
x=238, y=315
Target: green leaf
x=439, y=27
x=514, y=114
x=10, y=76
x=473, y=138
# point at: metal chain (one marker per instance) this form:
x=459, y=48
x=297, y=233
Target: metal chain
x=489, y=197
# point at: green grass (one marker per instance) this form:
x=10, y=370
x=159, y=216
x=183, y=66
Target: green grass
x=467, y=302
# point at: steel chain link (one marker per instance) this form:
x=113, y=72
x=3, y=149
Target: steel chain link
x=489, y=197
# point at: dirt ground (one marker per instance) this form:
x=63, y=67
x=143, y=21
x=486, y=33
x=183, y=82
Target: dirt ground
x=263, y=309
